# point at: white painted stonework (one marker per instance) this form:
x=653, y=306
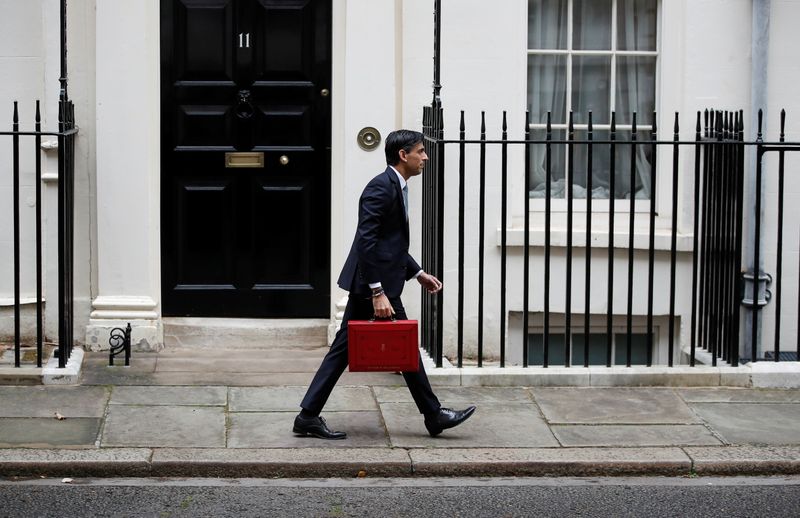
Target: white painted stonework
x=128, y=171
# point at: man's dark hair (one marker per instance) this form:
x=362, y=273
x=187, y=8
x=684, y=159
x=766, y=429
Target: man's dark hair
x=401, y=139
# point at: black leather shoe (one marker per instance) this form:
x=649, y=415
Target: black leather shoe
x=447, y=418
x=316, y=427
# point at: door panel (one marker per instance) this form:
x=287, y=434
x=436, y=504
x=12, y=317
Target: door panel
x=277, y=197
x=204, y=39
x=288, y=27
x=202, y=125
x=284, y=125
x=245, y=76
x=204, y=214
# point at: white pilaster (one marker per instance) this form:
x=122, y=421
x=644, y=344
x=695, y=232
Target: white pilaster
x=366, y=92
x=128, y=172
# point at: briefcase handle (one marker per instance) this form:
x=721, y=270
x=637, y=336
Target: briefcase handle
x=373, y=319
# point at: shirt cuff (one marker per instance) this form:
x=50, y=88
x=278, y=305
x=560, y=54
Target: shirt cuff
x=417, y=274
x=374, y=285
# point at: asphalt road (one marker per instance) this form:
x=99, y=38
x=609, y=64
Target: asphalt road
x=618, y=497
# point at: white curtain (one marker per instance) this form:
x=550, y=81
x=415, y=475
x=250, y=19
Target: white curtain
x=547, y=87
x=636, y=89
x=591, y=91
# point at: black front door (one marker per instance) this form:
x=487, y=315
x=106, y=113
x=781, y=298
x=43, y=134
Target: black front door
x=245, y=157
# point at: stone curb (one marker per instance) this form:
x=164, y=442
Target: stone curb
x=110, y=462
x=549, y=462
x=745, y=460
x=397, y=462
x=281, y=463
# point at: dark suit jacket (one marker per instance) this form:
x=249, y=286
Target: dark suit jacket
x=380, y=249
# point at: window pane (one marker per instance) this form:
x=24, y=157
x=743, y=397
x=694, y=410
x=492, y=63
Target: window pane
x=539, y=164
x=592, y=25
x=643, y=158
x=555, y=354
x=600, y=166
x=636, y=89
x=591, y=82
x=636, y=24
x=547, y=24
x=597, y=349
x=638, y=349
x=547, y=88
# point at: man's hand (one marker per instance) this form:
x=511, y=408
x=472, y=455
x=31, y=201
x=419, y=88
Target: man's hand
x=382, y=307
x=430, y=283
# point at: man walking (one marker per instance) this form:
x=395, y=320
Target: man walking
x=374, y=273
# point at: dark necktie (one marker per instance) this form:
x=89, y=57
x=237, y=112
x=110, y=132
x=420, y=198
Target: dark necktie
x=405, y=200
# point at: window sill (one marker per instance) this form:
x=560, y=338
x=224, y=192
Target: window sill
x=558, y=238
x=23, y=301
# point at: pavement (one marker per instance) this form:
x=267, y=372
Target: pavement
x=207, y=413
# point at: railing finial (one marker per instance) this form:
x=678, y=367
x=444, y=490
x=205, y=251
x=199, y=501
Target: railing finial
x=760, y=124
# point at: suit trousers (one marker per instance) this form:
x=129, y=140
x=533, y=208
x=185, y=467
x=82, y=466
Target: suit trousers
x=359, y=307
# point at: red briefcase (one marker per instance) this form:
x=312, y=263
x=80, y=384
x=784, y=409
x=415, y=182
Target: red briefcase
x=389, y=345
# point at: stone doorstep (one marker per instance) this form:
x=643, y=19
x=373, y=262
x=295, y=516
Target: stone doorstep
x=396, y=462
x=242, y=333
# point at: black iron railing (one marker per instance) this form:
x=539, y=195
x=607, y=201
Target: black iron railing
x=716, y=250
x=66, y=179
x=717, y=279
x=433, y=230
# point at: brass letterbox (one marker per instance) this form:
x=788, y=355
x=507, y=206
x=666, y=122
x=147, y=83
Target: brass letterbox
x=244, y=159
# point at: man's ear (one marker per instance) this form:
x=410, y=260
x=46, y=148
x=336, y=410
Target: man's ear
x=403, y=155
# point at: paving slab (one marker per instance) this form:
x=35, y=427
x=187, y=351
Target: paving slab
x=514, y=462
x=239, y=365
x=245, y=354
x=752, y=423
x=285, y=462
x=613, y=406
x=381, y=379
x=274, y=430
x=492, y=426
x=41, y=401
x=739, y=395
x=458, y=395
x=107, y=462
x=109, y=378
x=225, y=379
x=634, y=435
x=96, y=371
x=287, y=399
x=19, y=432
x=178, y=396
x=745, y=460
x=444, y=377
x=140, y=362
x=164, y=426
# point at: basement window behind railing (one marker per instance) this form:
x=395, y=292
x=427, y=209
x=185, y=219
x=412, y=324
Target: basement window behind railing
x=597, y=349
